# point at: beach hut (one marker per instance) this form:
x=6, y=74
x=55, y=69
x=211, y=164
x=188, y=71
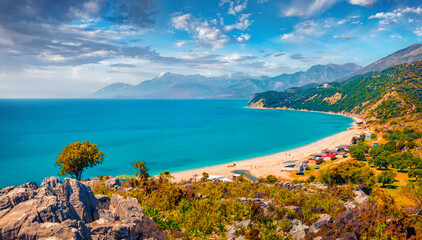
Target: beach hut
x=315, y=161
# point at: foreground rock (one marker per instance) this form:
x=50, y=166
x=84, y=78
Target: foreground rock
x=69, y=210
x=298, y=230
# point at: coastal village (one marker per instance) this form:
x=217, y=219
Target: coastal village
x=289, y=167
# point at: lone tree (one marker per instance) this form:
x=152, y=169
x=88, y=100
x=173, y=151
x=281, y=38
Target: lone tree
x=76, y=157
x=143, y=170
x=386, y=177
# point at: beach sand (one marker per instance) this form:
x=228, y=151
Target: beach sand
x=272, y=164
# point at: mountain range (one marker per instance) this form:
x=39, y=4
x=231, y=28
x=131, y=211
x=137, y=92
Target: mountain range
x=240, y=85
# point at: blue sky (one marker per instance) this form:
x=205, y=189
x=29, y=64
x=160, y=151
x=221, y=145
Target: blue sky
x=52, y=48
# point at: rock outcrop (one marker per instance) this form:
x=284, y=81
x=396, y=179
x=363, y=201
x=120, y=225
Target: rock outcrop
x=69, y=210
x=298, y=230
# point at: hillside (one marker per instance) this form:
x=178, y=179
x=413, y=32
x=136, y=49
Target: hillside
x=393, y=92
x=237, y=85
x=410, y=54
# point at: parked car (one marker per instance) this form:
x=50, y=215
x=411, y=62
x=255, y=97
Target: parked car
x=300, y=173
x=316, y=167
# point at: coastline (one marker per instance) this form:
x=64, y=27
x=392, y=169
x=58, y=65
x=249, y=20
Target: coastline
x=272, y=163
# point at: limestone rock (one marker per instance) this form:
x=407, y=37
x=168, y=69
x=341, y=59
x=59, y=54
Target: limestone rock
x=323, y=219
x=230, y=232
x=82, y=199
x=360, y=197
x=244, y=223
x=103, y=201
x=112, y=182
x=298, y=230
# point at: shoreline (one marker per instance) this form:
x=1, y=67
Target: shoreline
x=272, y=164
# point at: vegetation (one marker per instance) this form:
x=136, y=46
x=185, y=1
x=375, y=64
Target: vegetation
x=78, y=156
x=142, y=172
x=386, y=177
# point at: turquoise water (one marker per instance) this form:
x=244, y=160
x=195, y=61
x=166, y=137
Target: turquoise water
x=169, y=135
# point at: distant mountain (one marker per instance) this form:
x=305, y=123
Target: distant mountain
x=396, y=91
x=236, y=85
x=316, y=74
x=410, y=54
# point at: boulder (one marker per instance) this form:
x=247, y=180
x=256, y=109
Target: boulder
x=103, y=201
x=21, y=220
x=6, y=190
x=82, y=199
x=360, y=196
x=112, y=182
x=323, y=219
x=244, y=223
x=230, y=232
x=298, y=230
x=30, y=185
x=125, y=209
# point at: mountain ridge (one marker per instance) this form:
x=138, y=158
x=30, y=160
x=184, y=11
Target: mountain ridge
x=236, y=85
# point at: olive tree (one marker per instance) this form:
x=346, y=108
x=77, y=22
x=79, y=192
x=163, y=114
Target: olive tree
x=78, y=156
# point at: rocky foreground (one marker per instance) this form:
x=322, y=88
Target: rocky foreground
x=70, y=210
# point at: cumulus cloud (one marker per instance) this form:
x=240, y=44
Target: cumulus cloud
x=243, y=37
x=390, y=17
x=242, y=24
x=205, y=33
x=235, y=6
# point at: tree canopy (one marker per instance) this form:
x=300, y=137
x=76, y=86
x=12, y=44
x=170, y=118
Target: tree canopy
x=78, y=156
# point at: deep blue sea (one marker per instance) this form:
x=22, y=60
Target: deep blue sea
x=168, y=134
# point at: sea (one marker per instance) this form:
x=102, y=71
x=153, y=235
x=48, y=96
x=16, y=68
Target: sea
x=170, y=135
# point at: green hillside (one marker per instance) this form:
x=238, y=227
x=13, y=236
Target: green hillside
x=391, y=93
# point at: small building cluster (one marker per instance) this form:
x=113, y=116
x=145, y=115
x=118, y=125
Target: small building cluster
x=328, y=154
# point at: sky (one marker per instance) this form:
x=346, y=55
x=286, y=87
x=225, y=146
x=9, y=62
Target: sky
x=70, y=48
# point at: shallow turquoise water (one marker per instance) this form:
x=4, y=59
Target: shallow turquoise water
x=168, y=134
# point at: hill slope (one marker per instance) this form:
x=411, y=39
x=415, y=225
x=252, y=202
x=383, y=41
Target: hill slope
x=393, y=92
x=410, y=54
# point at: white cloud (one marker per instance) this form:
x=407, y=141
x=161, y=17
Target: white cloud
x=243, y=37
x=235, y=57
x=196, y=56
x=182, y=21
x=395, y=36
x=206, y=34
x=243, y=23
x=345, y=37
x=293, y=12
x=418, y=31
x=381, y=30
x=287, y=36
x=181, y=43
x=319, y=6
x=262, y=1
x=387, y=15
x=362, y=2
x=396, y=14
x=342, y=21
x=388, y=22
x=235, y=6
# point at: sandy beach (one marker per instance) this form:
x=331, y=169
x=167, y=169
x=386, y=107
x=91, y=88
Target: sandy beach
x=273, y=164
